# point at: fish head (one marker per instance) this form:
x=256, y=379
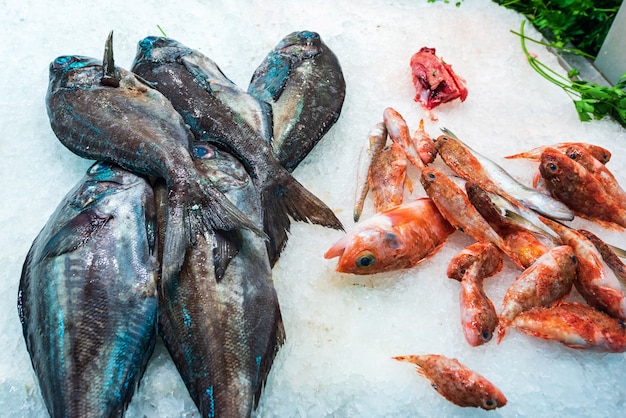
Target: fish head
x=101, y=180
x=493, y=399
x=300, y=45
x=75, y=71
x=159, y=49
x=222, y=169
x=555, y=164
x=370, y=248
x=479, y=332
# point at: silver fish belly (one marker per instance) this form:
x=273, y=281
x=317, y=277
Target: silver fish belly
x=87, y=296
x=220, y=320
x=187, y=79
x=302, y=80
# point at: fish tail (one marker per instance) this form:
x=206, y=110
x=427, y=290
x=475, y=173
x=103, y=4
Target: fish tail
x=285, y=197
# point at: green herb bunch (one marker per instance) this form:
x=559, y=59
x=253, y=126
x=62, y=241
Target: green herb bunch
x=592, y=101
x=583, y=23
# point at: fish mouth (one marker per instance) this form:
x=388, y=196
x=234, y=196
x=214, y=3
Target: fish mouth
x=304, y=44
x=158, y=49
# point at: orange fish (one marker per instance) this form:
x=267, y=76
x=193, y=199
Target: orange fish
x=399, y=134
x=478, y=315
x=601, y=154
x=547, y=281
x=583, y=157
x=455, y=206
x=474, y=167
x=574, y=325
x=394, y=239
x=595, y=281
x=456, y=382
x=377, y=138
x=387, y=178
x=485, y=254
x=572, y=184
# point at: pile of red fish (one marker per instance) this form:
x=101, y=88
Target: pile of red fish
x=506, y=218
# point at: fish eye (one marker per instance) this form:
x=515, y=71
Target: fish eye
x=489, y=404
x=365, y=260
x=572, y=155
x=202, y=151
x=431, y=176
x=486, y=335
x=552, y=167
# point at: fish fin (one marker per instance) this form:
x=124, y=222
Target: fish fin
x=226, y=246
x=272, y=85
x=285, y=197
x=76, y=232
x=337, y=249
x=265, y=364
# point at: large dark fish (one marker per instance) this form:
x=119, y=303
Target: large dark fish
x=103, y=112
x=220, y=320
x=87, y=296
x=302, y=79
x=189, y=79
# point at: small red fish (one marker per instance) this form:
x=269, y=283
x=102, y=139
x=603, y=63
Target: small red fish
x=583, y=157
x=573, y=185
x=478, y=315
x=387, y=178
x=601, y=154
x=485, y=254
x=456, y=382
x=455, y=206
x=434, y=80
x=548, y=281
x=394, y=239
x=574, y=325
x=595, y=281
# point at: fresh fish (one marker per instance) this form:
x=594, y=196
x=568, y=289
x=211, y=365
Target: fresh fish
x=596, y=281
x=135, y=126
x=188, y=79
x=473, y=167
x=601, y=154
x=398, y=238
x=598, y=170
x=485, y=254
x=478, y=315
x=220, y=320
x=456, y=208
x=399, y=133
x=456, y=382
x=610, y=255
x=435, y=82
x=385, y=168
x=387, y=178
x=511, y=226
x=574, y=325
x=87, y=296
x=572, y=184
x=377, y=138
x=548, y=281
x=301, y=79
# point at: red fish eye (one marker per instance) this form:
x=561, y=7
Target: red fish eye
x=366, y=260
x=431, y=176
x=552, y=167
x=572, y=155
x=490, y=404
x=486, y=335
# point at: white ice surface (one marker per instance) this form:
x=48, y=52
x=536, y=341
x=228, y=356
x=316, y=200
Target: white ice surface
x=341, y=329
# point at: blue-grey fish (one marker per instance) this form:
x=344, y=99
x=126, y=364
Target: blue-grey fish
x=302, y=80
x=220, y=320
x=87, y=296
x=188, y=79
x=106, y=113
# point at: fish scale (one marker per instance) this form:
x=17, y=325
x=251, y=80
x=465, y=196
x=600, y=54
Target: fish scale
x=87, y=296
